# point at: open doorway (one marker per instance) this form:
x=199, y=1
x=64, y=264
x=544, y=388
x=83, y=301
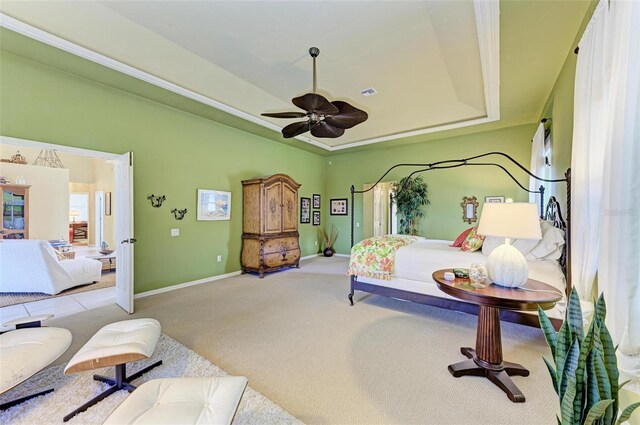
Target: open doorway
x=76, y=214
x=379, y=213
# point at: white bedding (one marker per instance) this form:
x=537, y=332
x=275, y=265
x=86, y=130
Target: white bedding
x=415, y=263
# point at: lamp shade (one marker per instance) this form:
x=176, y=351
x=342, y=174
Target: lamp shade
x=518, y=220
x=74, y=213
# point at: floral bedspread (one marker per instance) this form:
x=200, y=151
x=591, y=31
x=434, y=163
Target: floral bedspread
x=374, y=257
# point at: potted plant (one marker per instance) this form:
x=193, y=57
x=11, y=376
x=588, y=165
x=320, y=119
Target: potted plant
x=584, y=370
x=328, y=240
x=410, y=195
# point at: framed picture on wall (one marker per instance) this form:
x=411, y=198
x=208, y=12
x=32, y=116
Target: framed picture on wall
x=213, y=205
x=305, y=210
x=316, y=201
x=316, y=218
x=107, y=203
x=493, y=199
x=339, y=206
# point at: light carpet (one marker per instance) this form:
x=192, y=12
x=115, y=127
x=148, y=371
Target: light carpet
x=297, y=340
x=74, y=390
x=11, y=298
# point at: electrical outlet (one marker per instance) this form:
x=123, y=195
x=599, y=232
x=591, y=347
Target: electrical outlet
x=219, y=258
x=357, y=224
x=175, y=232
x=315, y=243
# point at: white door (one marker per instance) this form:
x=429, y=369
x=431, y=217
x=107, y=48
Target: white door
x=124, y=231
x=99, y=214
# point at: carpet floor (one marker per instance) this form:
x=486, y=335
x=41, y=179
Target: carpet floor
x=297, y=340
x=11, y=298
x=72, y=391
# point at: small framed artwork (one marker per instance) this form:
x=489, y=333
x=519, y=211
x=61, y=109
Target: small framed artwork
x=213, y=205
x=107, y=203
x=316, y=201
x=339, y=207
x=316, y=218
x=493, y=199
x=305, y=210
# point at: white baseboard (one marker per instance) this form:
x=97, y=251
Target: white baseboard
x=199, y=281
x=342, y=255
x=185, y=285
x=310, y=256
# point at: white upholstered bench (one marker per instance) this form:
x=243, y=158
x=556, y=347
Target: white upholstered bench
x=194, y=401
x=116, y=345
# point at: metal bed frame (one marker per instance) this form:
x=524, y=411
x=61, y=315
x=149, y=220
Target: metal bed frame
x=552, y=212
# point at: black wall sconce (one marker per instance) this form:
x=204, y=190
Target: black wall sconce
x=179, y=214
x=156, y=201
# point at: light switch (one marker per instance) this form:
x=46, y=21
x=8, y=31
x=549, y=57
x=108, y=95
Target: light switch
x=219, y=258
x=357, y=224
x=175, y=232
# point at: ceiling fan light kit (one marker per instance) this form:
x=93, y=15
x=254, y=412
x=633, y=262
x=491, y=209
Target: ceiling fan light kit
x=324, y=118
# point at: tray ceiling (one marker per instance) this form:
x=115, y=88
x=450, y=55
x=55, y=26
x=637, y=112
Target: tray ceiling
x=423, y=58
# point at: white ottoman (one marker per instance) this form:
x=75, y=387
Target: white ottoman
x=27, y=350
x=116, y=345
x=171, y=401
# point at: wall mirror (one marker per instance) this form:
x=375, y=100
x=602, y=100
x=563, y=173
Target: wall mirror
x=469, y=209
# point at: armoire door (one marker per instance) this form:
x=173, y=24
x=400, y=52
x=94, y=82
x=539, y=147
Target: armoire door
x=289, y=208
x=273, y=208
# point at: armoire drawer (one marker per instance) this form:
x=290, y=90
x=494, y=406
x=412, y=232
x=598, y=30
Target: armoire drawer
x=279, y=244
x=277, y=259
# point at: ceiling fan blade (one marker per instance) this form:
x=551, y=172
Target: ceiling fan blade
x=322, y=129
x=295, y=129
x=285, y=115
x=347, y=117
x=312, y=102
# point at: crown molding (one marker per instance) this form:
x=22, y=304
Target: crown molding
x=487, y=13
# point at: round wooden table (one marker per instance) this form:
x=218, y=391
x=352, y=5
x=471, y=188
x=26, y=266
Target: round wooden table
x=486, y=359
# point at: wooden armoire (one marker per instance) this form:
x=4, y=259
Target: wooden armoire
x=269, y=224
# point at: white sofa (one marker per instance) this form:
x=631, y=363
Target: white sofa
x=28, y=265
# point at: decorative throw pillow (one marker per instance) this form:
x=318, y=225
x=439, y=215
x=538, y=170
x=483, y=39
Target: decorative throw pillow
x=461, y=238
x=473, y=242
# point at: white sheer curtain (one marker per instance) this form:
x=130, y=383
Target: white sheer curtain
x=537, y=164
x=619, y=260
x=587, y=157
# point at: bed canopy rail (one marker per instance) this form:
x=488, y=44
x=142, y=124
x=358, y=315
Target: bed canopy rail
x=552, y=211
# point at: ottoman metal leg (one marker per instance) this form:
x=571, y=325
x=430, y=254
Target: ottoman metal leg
x=119, y=382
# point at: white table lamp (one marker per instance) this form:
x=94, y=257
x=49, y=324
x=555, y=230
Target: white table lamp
x=73, y=214
x=506, y=265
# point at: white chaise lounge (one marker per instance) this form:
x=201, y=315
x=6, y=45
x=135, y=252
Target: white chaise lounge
x=33, y=266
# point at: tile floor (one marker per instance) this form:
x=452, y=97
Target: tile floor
x=60, y=306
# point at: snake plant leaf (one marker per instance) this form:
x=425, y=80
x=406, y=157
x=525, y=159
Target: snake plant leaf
x=566, y=405
x=562, y=347
x=626, y=413
x=600, y=311
x=574, y=315
x=593, y=394
x=554, y=375
x=604, y=386
x=585, y=348
x=569, y=371
x=611, y=363
x=597, y=411
x=550, y=333
x=624, y=383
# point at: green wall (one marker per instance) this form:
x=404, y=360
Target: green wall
x=446, y=187
x=175, y=154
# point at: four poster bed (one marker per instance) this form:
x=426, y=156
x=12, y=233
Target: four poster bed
x=415, y=259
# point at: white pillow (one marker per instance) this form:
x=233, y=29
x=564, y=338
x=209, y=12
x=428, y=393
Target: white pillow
x=550, y=246
x=523, y=245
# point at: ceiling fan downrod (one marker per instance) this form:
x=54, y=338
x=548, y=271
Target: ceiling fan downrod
x=314, y=52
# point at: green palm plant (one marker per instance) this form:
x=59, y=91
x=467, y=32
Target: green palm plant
x=410, y=195
x=584, y=368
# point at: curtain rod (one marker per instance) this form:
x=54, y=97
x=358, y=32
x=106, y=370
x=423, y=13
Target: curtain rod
x=576, y=50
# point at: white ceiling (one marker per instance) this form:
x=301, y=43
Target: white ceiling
x=422, y=57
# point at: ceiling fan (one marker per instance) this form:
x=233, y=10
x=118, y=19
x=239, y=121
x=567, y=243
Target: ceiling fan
x=325, y=119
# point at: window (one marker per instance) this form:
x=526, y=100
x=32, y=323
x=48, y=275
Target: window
x=79, y=207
